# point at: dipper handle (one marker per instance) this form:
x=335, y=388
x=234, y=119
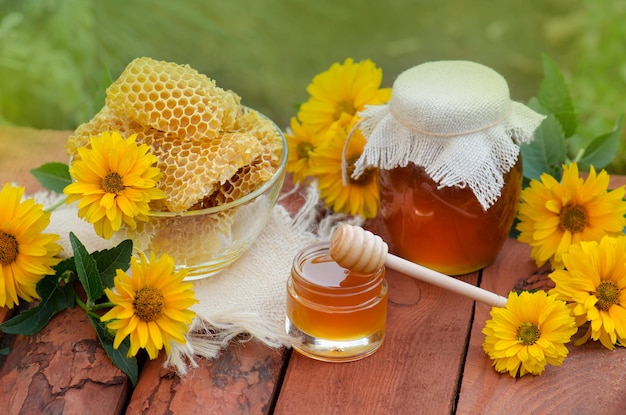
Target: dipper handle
x=361, y=251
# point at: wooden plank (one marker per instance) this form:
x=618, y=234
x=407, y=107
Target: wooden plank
x=62, y=369
x=22, y=149
x=416, y=369
x=617, y=181
x=591, y=379
x=241, y=380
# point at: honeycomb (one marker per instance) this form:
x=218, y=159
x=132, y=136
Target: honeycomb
x=211, y=149
x=259, y=171
x=173, y=99
x=194, y=169
x=107, y=120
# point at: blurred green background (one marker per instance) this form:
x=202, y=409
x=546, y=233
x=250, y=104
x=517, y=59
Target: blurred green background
x=55, y=54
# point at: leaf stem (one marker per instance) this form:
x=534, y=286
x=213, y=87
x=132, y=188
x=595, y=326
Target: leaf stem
x=579, y=155
x=55, y=205
x=80, y=303
x=94, y=307
x=94, y=315
x=100, y=306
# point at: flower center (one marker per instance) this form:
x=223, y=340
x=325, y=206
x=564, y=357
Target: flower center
x=8, y=248
x=112, y=183
x=573, y=218
x=365, y=177
x=304, y=149
x=528, y=333
x=344, y=106
x=149, y=304
x=608, y=294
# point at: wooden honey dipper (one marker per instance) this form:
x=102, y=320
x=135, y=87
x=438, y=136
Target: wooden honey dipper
x=361, y=251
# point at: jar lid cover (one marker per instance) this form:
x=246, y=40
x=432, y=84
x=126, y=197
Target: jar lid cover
x=453, y=118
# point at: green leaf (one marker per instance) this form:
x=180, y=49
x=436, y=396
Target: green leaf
x=118, y=356
x=53, y=176
x=548, y=151
x=110, y=260
x=54, y=298
x=602, y=150
x=87, y=271
x=555, y=97
x=5, y=351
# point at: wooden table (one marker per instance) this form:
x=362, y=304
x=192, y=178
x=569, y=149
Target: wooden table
x=432, y=360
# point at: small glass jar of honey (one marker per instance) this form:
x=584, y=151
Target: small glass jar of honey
x=337, y=315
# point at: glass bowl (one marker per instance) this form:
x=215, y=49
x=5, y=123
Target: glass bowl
x=206, y=241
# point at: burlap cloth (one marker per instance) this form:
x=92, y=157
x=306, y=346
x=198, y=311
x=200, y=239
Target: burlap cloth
x=453, y=118
x=249, y=297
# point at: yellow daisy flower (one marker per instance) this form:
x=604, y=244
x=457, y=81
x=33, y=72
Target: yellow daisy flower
x=593, y=284
x=26, y=254
x=555, y=215
x=301, y=142
x=114, y=182
x=528, y=333
x=357, y=197
x=343, y=88
x=151, y=305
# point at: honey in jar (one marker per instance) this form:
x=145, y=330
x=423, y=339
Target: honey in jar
x=338, y=315
x=447, y=146
x=445, y=228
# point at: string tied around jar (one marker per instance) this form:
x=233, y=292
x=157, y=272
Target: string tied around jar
x=453, y=118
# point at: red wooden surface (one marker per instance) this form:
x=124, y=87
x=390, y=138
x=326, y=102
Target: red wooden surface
x=62, y=370
x=417, y=367
x=431, y=362
x=591, y=380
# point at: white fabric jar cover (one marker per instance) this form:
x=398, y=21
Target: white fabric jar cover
x=453, y=118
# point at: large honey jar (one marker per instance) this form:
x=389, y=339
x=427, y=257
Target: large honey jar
x=445, y=229
x=447, y=148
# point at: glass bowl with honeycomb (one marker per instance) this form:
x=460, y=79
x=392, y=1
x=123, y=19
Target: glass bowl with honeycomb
x=222, y=163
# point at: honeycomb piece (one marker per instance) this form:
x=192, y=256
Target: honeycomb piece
x=246, y=180
x=191, y=170
x=107, y=120
x=265, y=130
x=250, y=177
x=173, y=98
x=210, y=149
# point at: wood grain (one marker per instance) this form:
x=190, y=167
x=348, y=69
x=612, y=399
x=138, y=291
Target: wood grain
x=242, y=380
x=421, y=368
x=62, y=369
x=591, y=380
x=416, y=369
x=22, y=149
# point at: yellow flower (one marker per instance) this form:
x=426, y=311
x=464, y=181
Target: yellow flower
x=301, y=142
x=528, y=333
x=151, y=305
x=357, y=197
x=114, y=182
x=594, y=286
x=342, y=89
x=555, y=215
x=26, y=254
